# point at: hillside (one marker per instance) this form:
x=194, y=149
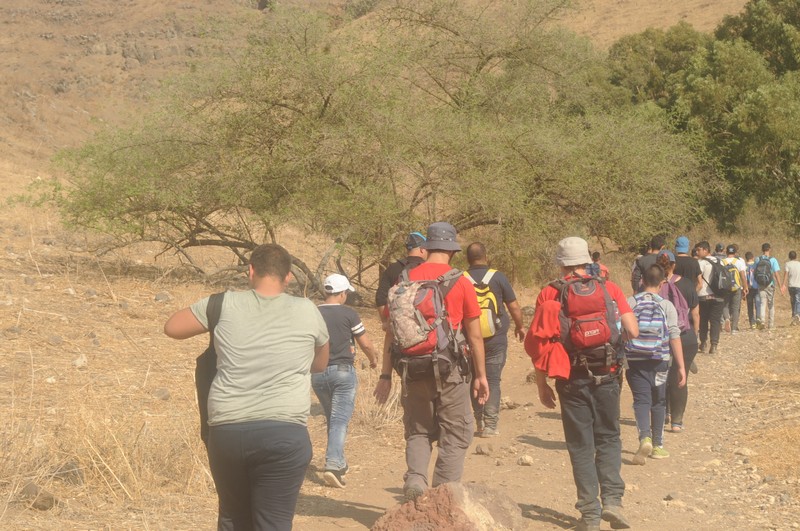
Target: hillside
x=71, y=66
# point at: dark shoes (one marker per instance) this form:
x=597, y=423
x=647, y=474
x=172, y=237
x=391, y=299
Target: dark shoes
x=412, y=492
x=613, y=515
x=712, y=349
x=335, y=478
x=702, y=347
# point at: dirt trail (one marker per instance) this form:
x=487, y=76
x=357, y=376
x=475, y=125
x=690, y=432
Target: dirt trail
x=709, y=481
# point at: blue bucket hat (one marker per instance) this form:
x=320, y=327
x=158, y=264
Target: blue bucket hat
x=441, y=237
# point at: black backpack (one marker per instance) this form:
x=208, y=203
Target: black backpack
x=763, y=272
x=206, y=364
x=719, y=280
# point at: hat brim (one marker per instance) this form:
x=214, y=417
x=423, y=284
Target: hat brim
x=569, y=262
x=440, y=245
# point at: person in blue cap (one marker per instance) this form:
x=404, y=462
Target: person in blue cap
x=415, y=255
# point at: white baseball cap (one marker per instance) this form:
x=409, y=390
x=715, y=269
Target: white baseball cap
x=337, y=283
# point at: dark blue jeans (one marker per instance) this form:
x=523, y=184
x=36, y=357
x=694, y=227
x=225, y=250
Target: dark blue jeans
x=258, y=468
x=489, y=413
x=590, y=416
x=335, y=388
x=648, y=383
x=794, y=300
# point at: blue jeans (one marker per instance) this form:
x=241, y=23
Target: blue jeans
x=335, y=388
x=753, y=306
x=648, y=383
x=489, y=413
x=794, y=299
x=590, y=416
x=258, y=468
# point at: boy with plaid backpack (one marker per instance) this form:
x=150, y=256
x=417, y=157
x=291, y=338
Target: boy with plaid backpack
x=648, y=357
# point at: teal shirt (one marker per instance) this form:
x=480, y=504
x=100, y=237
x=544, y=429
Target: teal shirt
x=265, y=346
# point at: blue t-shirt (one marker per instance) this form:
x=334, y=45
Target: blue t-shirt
x=504, y=293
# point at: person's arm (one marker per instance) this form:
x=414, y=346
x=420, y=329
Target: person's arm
x=677, y=354
x=699, y=282
x=546, y=394
x=321, y=355
x=776, y=276
x=515, y=311
x=630, y=325
x=696, y=319
x=785, y=276
x=183, y=324
x=743, y=280
x=472, y=330
x=369, y=349
x=384, y=385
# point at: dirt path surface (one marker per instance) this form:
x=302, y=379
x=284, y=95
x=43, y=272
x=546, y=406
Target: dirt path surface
x=711, y=480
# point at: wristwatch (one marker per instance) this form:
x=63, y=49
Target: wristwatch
x=386, y=377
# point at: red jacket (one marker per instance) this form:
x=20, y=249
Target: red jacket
x=542, y=341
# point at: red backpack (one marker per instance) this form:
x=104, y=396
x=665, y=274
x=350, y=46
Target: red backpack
x=590, y=326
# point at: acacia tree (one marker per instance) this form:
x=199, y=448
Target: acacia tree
x=482, y=115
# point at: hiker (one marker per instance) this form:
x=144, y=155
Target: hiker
x=598, y=268
x=434, y=373
x=684, y=301
x=415, y=255
x=267, y=342
x=766, y=277
x=733, y=303
x=791, y=281
x=686, y=265
x=719, y=251
x=642, y=263
x=753, y=297
x=648, y=356
x=336, y=386
x=586, y=365
x=497, y=300
x=710, y=303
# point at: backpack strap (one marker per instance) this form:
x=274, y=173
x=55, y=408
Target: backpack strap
x=469, y=277
x=488, y=276
x=213, y=310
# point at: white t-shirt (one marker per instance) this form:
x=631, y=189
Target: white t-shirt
x=705, y=269
x=793, y=273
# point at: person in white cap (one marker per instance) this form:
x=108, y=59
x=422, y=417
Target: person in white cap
x=336, y=386
x=590, y=397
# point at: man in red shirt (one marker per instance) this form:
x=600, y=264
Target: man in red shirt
x=440, y=411
x=589, y=401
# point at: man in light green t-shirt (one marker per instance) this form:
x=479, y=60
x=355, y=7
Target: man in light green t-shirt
x=267, y=343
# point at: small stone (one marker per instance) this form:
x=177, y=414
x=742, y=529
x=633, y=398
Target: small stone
x=713, y=463
x=161, y=393
x=13, y=330
x=745, y=452
x=96, y=342
x=632, y=487
x=50, y=380
x=90, y=293
x=482, y=449
x=531, y=377
x=40, y=498
x=162, y=297
x=70, y=292
x=55, y=340
x=123, y=305
x=49, y=241
x=669, y=497
x=80, y=362
x=91, y=335
x=507, y=403
x=525, y=460
x=497, y=462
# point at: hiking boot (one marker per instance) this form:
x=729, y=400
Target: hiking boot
x=702, y=347
x=752, y=326
x=727, y=325
x=645, y=448
x=693, y=368
x=584, y=525
x=759, y=325
x=613, y=515
x=659, y=453
x=489, y=432
x=712, y=349
x=335, y=478
x=412, y=492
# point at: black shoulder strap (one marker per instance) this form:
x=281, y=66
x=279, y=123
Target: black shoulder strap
x=448, y=280
x=213, y=310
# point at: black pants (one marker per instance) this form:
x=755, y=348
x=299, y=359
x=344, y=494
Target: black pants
x=258, y=468
x=678, y=397
x=590, y=415
x=711, y=317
